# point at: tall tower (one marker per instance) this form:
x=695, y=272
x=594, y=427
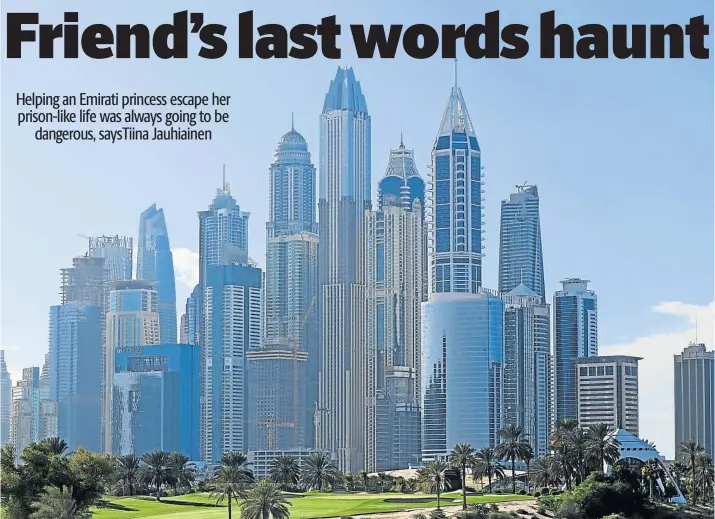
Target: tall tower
x=575, y=335
x=694, y=384
x=344, y=195
x=462, y=323
x=5, y=400
x=520, y=256
x=25, y=414
x=155, y=264
x=117, y=253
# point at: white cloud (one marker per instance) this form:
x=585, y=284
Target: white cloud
x=186, y=267
x=656, y=369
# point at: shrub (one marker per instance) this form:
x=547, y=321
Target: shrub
x=499, y=515
x=555, y=492
x=497, y=492
x=550, y=503
x=545, y=490
x=537, y=494
x=522, y=492
x=419, y=516
x=437, y=514
x=478, y=511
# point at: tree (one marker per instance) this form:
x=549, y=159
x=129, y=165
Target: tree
x=231, y=483
x=527, y=457
x=285, y=472
x=364, y=478
x=677, y=471
x=58, y=503
x=704, y=476
x=349, y=480
x=690, y=450
x=576, y=440
x=486, y=463
x=561, y=448
x=602, y=445
x=183, y=471
x=235, y=460
x=265, y=501
x=128, y=468
x=433, y=476
x=513, y=446
x=56, y=445
x=90, y=475
x=318, y=473
x=462, y=457
x=157, y=470
x=383, y=479
x=544, y=471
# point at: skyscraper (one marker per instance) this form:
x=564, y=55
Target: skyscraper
x=520, y=255
x=575, y=335
x=48, y=407
x=155, y=264
x=117, y=253
x=5, y=400
x=291, y=287
x=694, y=397
x=527, y=366
x=132, y=321
x=462, y=323
x=25, y=414
x=344, y=195
x=76, y=373
x=193, y=316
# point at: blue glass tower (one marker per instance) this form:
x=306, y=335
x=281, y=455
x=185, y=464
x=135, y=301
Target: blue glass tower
x=402, y=183
x=155, y=264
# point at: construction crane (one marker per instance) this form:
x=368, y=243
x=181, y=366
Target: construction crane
x=271, y=430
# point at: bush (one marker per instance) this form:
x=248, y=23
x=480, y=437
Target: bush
x=555, y=492
x=499, y=515
x=545, y=490
x=522, y=492
x=437, y=514
x=497, y=492
x=478, y=511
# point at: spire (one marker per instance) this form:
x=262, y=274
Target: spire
x=402, y=142
x=455, y=74
x=456, y=117
x=292, y=126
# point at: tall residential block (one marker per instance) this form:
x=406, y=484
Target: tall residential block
x=48, y=407
x=520, y=255
x=25, y=411
x=155, y=264
x=231, y=328
x=344, y=196
x=394, y=283
x=291, y=289
x=608, y=392
x=76, y=377
x=694, y=397
x=117, y=253
x=527, y=366
x=575, y=335
x=5, y=400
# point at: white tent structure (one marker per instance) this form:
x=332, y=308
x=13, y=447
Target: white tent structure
x=633, y=447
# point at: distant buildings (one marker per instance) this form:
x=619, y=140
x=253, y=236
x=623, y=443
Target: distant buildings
x=5, y=400
x=694, y=383
x=607, y=389
x=344, y=195
x=261, y=461
x=575, y=335
x=155, y=264
x=117, y=254
x=25, y=411
x=48, y=408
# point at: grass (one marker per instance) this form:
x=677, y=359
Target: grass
x=309, y=506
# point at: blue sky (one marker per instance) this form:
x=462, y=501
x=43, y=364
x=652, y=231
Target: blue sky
x=622, y=152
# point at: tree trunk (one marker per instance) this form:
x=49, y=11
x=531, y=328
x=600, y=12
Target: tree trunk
x=131, y=489
x=692, y=477
x=229, y=506
x=158, y=491
x=438, y=493
x=528, y=478
x=489, y=479
x=464, y=487
x=513, y=477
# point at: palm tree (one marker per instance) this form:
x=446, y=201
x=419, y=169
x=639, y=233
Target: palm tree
x=285, y=471
x=462, y=457
x=704, y=474
x=265, y=501
x=433, y=476
x=691, y=449
x=318, y=473
x=57, y=503
x=184, y=472
x=231, y=483
x=562, y=449
x=128, y=466
x=677, y=471
x=602, y=445
x=544, y=471
x=56, y=445
x=576, y=439
x=236, y=460
x=486, y=463
x=382, y=479
x=527, y=457
x=652, y=471
x=364, y=478
x=512, y=447
x=349, y=479
x=157, y=470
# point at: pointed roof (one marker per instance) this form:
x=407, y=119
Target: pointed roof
x=456, y=117
x=402, y=163
x=345, y=93
x=522, y=290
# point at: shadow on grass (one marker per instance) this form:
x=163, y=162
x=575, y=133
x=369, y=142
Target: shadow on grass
x=116, y=506
x=415, y=500
x=192, y=503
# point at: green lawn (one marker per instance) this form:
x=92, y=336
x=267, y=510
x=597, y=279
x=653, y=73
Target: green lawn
x=308, y=506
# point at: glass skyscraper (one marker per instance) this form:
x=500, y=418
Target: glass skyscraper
x=344, y=195
x=117, y=253
x=5, y=400
x=575, y=335
x=520, y=255
x=694, y=384
x=155, y=264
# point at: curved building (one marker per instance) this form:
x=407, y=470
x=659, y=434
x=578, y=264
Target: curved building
x=402, y=183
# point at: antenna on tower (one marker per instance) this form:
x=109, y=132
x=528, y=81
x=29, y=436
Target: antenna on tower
x=292, y=126
x=455, y=73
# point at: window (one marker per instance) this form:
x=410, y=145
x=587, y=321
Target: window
x=583, y=371
x=599, y=370
x=592, y=371
x=609, y=370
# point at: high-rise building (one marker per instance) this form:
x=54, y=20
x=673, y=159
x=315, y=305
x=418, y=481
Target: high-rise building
x=527, y=366
x=462, y=323
x=193, y=316
x=155, y=264
x=291, y=285
x=344, y=196
x=520, y=255
x=694, y=397
x=231, y=328
x=48, y=407
x=76, y=373
x=575, y=335
x=394, y=283
x=156, y=400
x=184, y=329
x=277, y=412
x=608, y=392
x=117, y=253
x=25, y=414
x=5, y=400
x=132, y=321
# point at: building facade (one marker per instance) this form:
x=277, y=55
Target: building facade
x=5, y=400
x=231, y=327
x=520, y=255
x=117, y=253
x=394, y=283
x=694, y=385
x=261, y=461
x=156, y=400
x=155, y=264
x=608, y=392
x=75, y=380
x=48, y=407
x=344, y=196
x=25, y=411
x=132, y=321
x=527, y=366
x=575, y=335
